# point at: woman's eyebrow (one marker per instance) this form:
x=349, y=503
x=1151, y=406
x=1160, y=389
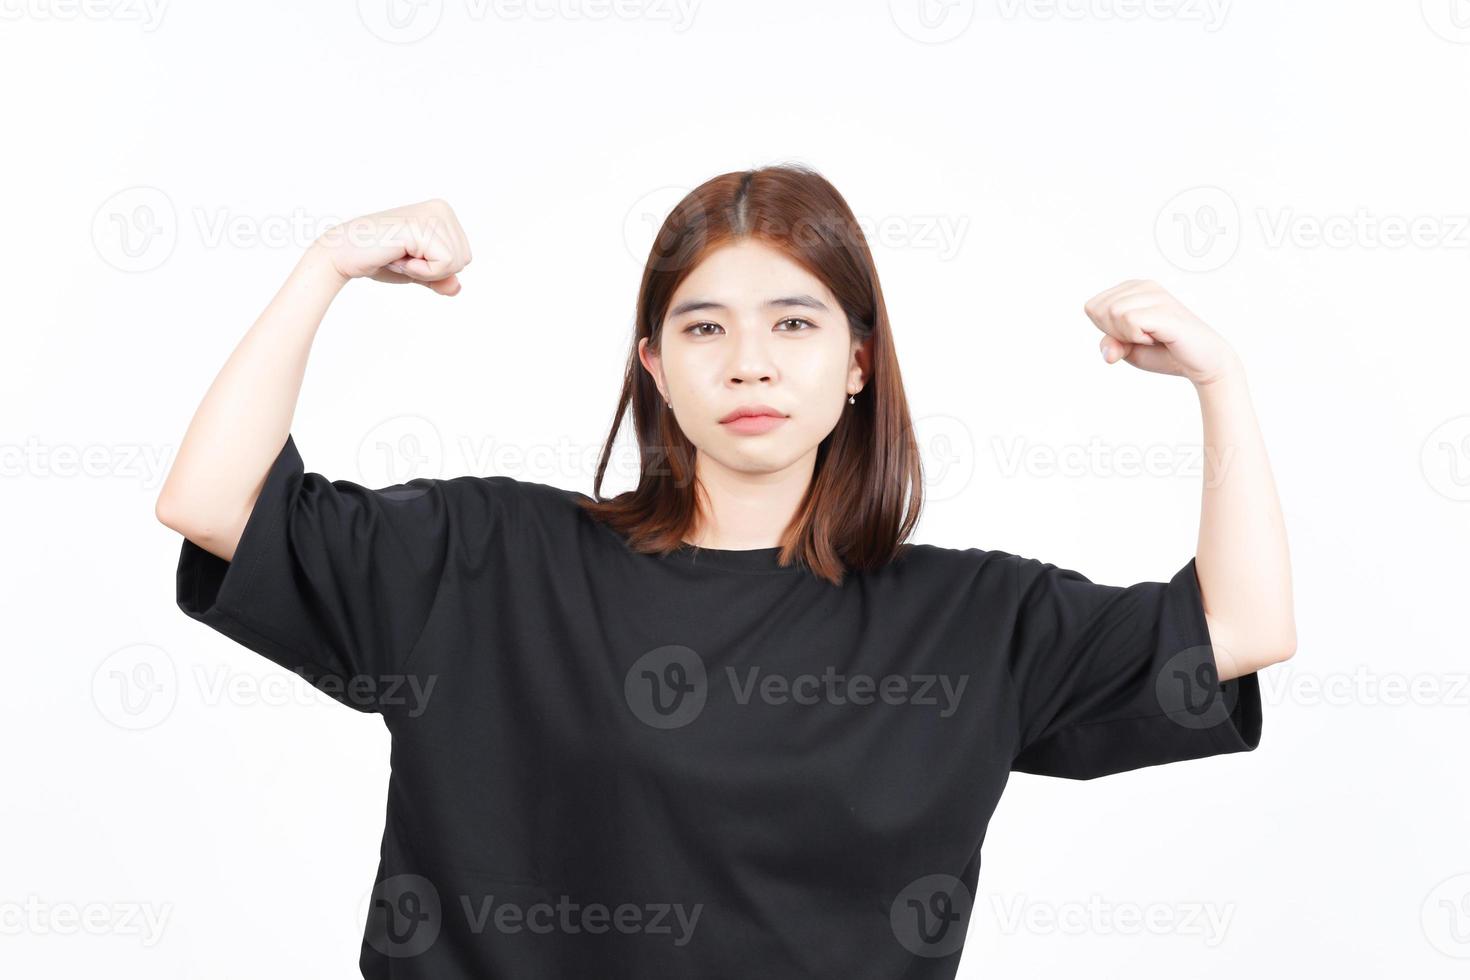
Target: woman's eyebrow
x=692, y=305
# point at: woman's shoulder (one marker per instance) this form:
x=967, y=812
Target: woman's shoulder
x=523, y=493
x=953, y=557
x=948, y=566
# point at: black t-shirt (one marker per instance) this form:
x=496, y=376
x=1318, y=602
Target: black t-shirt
x=613, y=765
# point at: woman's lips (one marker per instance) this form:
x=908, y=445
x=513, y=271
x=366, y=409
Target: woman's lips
x=753, y=425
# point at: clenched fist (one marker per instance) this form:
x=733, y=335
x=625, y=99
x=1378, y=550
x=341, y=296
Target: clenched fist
x=420, y=243
x=1145, y=326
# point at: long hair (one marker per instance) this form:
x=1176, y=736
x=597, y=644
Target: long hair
x=867, y=485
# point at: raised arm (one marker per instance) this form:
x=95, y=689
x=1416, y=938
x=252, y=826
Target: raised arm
x=245, y=417
x=1241, y=559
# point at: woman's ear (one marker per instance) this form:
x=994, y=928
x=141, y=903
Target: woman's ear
x=653, y=364
x=860, y=369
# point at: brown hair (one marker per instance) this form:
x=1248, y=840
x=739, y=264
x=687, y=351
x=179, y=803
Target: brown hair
x=866, y=489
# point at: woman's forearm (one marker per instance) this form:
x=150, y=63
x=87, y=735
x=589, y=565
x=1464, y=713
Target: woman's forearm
x=1242, y=558
x=239, y=428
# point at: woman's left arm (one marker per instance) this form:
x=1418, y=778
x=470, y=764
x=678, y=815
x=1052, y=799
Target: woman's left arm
x=1242, y=559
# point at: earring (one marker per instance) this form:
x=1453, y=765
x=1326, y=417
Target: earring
x=851, y=400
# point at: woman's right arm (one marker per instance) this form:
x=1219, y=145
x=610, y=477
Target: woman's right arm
x=243, y=421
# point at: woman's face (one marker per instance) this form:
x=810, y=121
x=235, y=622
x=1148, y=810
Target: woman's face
x=751, y=327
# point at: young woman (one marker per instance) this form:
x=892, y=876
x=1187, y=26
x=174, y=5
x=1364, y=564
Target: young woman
x=729, y=723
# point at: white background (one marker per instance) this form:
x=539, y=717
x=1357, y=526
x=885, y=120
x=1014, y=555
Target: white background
x=164, y=167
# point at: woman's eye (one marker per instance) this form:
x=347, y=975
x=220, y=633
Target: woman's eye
x=696, y=329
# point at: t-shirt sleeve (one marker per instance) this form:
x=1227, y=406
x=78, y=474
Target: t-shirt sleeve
x=1110, y=678
x=330, y=579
